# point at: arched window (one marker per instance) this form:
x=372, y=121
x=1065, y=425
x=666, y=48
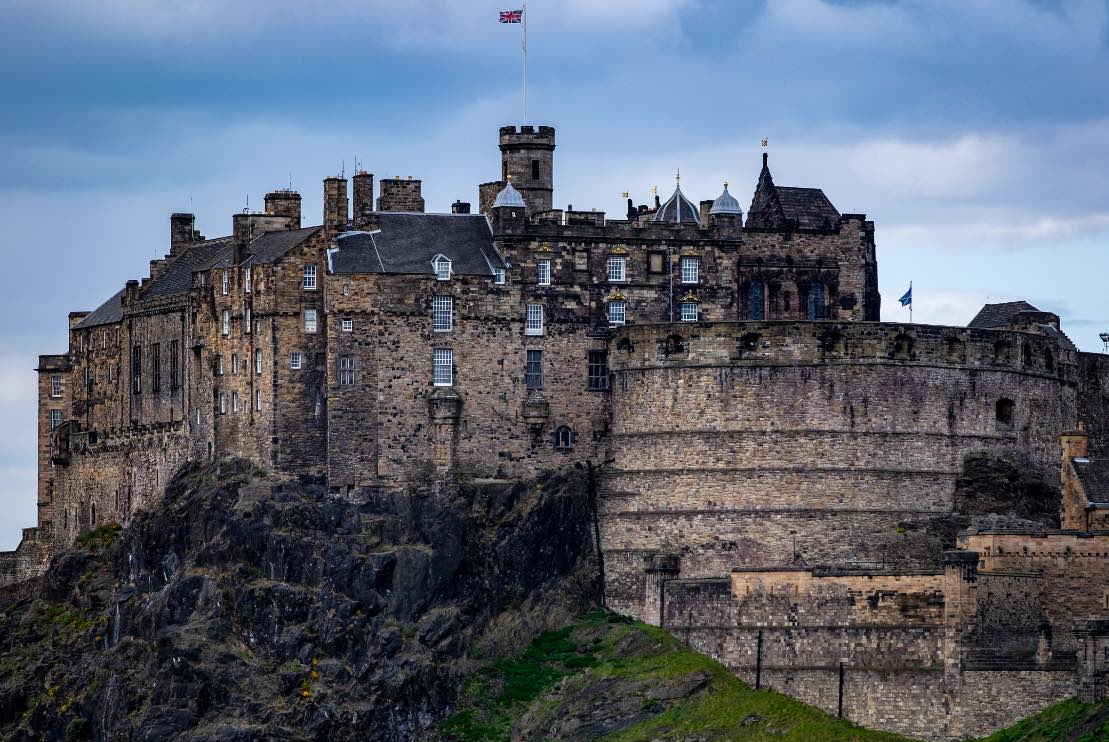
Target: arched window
x=1003, y=414
x=756, y=300
x=563, y=438
x=816, y=300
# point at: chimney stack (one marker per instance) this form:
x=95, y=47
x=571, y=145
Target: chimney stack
x=1075, y=443
x=182, y=231
x=460, y=207
x=284, y=203
x=400, y=195
x=363, y=198
x=335, y=205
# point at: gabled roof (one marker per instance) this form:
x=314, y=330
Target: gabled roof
x=1000, y=315
x=107, y=313
x=273, y=246
x=178, y=275
x=781, y=207
x=1094, y=475
x=407, y=243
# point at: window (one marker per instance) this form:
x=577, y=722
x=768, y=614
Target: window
x=534, y=324
x=309, y=277
x=258, y=361
x=156, y=367
x=136, y=369
x=563, y=438
x=247, y=280
x=258, y=400
x=535, y=169
x=295, y=361
x=442, y=313
x=246, y=320
x=346, y=370
x=55, y=418
x=108, y=369
x=689, y=311
x=533, y=370
x=223, y=403
x=617, y=311
x=56, y=385
x=1003, y=414
x=656, y=262
x=225, y=323
x=219, y=365
x=348, y=324
x=234, y=401
x=597, y=365
x=443, y=367
x=816, y=301
x=442, y=267
x=499, y=277
x=174, y=366
x=309, y=320
x=226, y=282
x=234, y=363
x=543, y=271
x=691, y=270
x=756, y=301
x=617, y=269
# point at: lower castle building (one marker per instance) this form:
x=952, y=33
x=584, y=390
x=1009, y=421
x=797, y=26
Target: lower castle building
x=767, y=446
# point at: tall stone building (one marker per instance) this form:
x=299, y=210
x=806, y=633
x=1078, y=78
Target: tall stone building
x=765, y=441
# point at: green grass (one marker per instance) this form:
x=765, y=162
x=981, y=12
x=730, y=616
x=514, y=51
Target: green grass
x=100, y=537
x=604, y=647
x=1069, y=721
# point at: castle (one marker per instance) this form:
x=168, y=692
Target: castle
x=766, y=446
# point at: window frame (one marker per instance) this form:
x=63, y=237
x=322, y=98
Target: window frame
x=136, y=369
x=55, y=386
x=442, y=313
x=533, y=368
x=313, y=327
x=55, y=418
x=693, y=274
x=346, y=370
x=500, y=276
x=533, y=320
x=234, y=402
x=257, y=400
x=308, y=277
x=234, y=364
x=691, y=306
x=259, y=362
x=442, y=359
x=347, y=324
x=155, y=368
x=223, y=403
x=623, y=312
x=615, y=262
x=247, y=320
x=543, y=271
x=296, y=360
x=174, y=366
x=596, y=370
x=247, y=280
x=443, y=267
x=226, y=282
x=225, y=323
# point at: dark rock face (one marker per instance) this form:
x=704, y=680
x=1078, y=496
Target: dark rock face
x=238, y=609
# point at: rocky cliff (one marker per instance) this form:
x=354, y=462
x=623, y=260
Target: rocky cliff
x=244, y=608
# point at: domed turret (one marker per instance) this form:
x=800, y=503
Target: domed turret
x=725, y=203
x=509, y=197
x=678, y=209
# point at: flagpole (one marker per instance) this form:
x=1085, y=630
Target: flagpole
x=525, y=14
x=910, y=302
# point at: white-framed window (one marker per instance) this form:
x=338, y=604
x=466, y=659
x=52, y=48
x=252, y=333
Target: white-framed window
x=258, y=400
x=225, y=323
x=346, y=370
x=442, y=267
x=309, y=282
x=219, y=365
x=534, y=322
x=226, y=282
x=543, y=271
x=689, y=311
x=295, y=361
x=234, y=401
x=248, y=282
x=442, y=372
x=56, y=385
x=617, y=313
x=617, y=269
x=500, y=277
x=223, y=403
x=348, y=324
x=442, y=313
x=247, y=320
x=55, y=418
x=234, y=363
x=309, y=320
x=691, y=270
x=258, y=361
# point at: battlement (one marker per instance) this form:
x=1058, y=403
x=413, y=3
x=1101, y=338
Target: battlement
x=530, y=136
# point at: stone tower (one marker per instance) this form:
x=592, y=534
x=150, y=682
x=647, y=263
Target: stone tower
x=527, y=154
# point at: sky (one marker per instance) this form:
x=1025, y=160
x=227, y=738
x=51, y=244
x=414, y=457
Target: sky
x=975, y=133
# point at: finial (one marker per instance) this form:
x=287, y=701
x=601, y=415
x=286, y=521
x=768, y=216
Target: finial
x=678, y=177
x=508, y=178
x=765, y=142
x=624, y=194
x=654, y=190
x=725, y=185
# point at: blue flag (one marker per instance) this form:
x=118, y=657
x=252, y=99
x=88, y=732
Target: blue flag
x=907, y=299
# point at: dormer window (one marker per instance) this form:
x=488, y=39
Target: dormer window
x=499, y=277
x=442, y=267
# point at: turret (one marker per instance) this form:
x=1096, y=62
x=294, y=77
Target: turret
x=509, y=211
x=527, y=157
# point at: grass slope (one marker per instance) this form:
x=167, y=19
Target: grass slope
x=606, y=677
x=1069, y=721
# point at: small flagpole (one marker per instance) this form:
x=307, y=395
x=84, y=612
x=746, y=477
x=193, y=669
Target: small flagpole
x=910, y=302
x=525, y=14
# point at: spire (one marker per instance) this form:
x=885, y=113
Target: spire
x=766, y=210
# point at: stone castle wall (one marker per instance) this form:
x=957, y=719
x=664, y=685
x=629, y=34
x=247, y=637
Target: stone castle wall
x=750, y=444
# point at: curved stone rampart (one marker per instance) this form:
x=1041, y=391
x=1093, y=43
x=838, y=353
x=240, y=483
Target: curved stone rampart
x=747, y=444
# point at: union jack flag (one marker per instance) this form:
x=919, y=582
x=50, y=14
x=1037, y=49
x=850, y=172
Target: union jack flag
x=512, y=16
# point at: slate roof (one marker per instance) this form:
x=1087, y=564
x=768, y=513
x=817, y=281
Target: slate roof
x=273, y=246
x=107, y=313
x=1094, y=475
x=1000, y=315
x=408, y=242
x=178, y=275
x=808, y=207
